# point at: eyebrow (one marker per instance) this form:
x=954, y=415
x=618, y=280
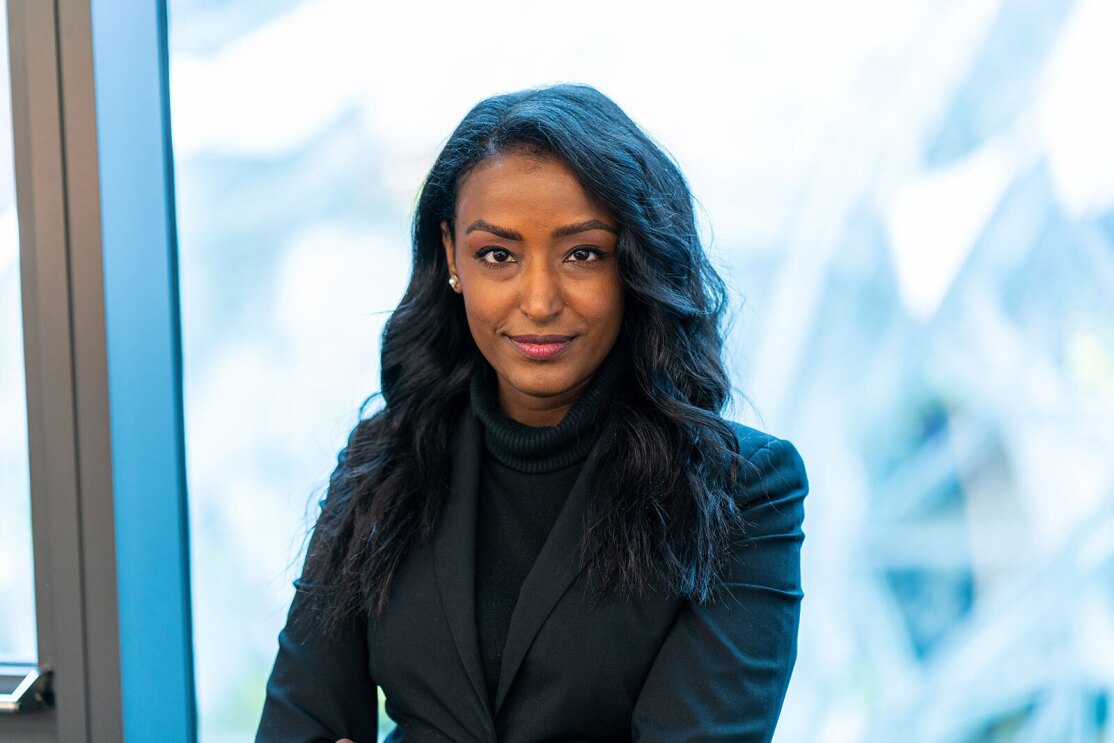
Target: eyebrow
x=591, y=224
x=569, y=229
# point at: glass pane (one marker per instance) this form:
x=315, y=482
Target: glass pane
x=918, y=212
x=17, y=593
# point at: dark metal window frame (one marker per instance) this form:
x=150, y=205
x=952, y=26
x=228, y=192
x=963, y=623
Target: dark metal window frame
x=98, y=265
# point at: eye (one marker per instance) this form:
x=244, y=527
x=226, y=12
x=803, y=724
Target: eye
x=493, y=256
x=586, y=254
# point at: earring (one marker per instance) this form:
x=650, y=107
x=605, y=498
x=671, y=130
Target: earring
x=454, y=282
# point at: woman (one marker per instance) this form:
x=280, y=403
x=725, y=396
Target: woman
x=549, y=532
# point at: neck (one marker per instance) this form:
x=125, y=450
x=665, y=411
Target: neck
x=537, y=412
x=545, y=447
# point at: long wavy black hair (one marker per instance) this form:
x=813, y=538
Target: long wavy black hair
x=662, y=510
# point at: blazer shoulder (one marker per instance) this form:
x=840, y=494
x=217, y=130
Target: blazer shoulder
x=752, y=441
x=768, y=462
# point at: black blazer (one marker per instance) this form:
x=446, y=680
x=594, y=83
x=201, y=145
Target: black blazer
x=656, y=669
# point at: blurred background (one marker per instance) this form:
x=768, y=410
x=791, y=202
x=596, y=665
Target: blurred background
x=912, y=202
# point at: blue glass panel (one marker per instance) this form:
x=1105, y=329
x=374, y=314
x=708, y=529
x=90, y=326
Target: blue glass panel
x=143, y=350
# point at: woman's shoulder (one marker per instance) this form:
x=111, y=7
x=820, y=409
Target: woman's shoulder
x=771, y=466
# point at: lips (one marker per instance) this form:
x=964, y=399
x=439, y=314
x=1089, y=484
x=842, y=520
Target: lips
x=541, y=347
x=541, y=338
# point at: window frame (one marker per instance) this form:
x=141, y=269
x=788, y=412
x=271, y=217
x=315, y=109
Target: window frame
x=98, y=271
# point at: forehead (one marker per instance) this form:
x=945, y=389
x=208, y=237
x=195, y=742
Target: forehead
x=524, y=188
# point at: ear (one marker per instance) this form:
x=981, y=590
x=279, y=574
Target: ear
x=447, y=244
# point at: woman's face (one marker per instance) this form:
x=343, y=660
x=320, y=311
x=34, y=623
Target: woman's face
x=536, y=262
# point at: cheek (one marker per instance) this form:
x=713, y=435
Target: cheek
x=603, y=301
x=484, y=310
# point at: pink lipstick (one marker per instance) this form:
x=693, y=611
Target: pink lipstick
x=541, y=347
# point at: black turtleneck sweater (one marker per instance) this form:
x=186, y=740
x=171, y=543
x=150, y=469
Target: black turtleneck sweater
x=526, y=475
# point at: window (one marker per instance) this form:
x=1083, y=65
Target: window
x=17, y=594
x=913, y=199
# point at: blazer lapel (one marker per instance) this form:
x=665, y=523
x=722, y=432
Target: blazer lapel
x=454, y=550
x=557, y=566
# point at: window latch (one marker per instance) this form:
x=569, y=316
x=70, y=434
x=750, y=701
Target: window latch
x=24, y=688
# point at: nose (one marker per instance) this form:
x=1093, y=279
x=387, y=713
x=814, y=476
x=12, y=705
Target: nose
x=540, y=297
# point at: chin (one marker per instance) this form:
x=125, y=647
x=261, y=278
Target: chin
x=539, y=383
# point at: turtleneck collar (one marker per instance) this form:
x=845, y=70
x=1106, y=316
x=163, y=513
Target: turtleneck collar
x=537, y=450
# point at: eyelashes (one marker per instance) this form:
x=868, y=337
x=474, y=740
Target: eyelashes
x=503, y=257
x=497, y=253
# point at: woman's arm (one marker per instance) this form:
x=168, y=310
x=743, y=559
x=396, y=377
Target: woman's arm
x=723, y=669
x=320, y=688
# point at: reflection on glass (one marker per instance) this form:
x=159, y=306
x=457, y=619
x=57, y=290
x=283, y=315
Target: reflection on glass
x=918, y=212
x=17, y=596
